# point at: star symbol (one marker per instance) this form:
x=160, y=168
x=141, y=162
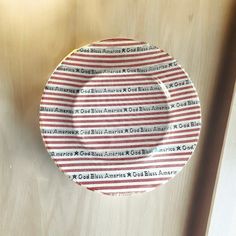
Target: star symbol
x=74, y=177
x=76, y=153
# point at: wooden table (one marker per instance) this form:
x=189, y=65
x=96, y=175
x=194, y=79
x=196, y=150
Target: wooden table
x=37, y=199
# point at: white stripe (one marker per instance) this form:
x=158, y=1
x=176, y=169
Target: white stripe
x=98, y=71
x=190, y=146
x=88, y=106
x=121, y=171
x=182, y=82
x=145, y=58
x=151, y=156
x=84, y=95
x=123, y=56
x=134, y=75
x=114, y=122
x=186, y=125
x=43, y=114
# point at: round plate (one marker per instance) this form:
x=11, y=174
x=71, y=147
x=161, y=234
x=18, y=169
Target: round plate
x=120, y=116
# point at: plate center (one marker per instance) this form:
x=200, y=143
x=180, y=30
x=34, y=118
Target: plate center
x=121, y=116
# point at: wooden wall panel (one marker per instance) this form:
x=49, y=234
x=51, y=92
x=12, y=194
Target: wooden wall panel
x=34, y=37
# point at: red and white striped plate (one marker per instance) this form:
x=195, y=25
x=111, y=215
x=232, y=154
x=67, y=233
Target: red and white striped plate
x=120, y=116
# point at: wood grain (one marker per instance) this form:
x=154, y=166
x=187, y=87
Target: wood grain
x=35, y=198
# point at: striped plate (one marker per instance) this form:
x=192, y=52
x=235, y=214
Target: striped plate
x=120, y=116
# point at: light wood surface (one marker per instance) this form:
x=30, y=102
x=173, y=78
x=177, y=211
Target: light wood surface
x=35, y=198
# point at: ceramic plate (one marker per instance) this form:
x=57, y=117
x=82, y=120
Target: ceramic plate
x=120, y=116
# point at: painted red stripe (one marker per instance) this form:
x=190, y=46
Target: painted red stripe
x=91, y=84
x=174, y=79
x=124, y=168
x=148, y=186
x=119, y=147
x=122, y=163
x=111, y=84
x=116, y=44
x=184, y=91
x=116, y=66
x=122, y=78
x=79, y=95
x=101, y=100
x=116, y=39
x=122, y=181
x=123, y=141
x=119, y=120
x=62, y=72
x=121, y=158
x=77, y=85
x=139, y=54
x=59, y=94
x=120, y=136
x=77, y=104
x=46, y=98
x=119, y=193
x=71, y=58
